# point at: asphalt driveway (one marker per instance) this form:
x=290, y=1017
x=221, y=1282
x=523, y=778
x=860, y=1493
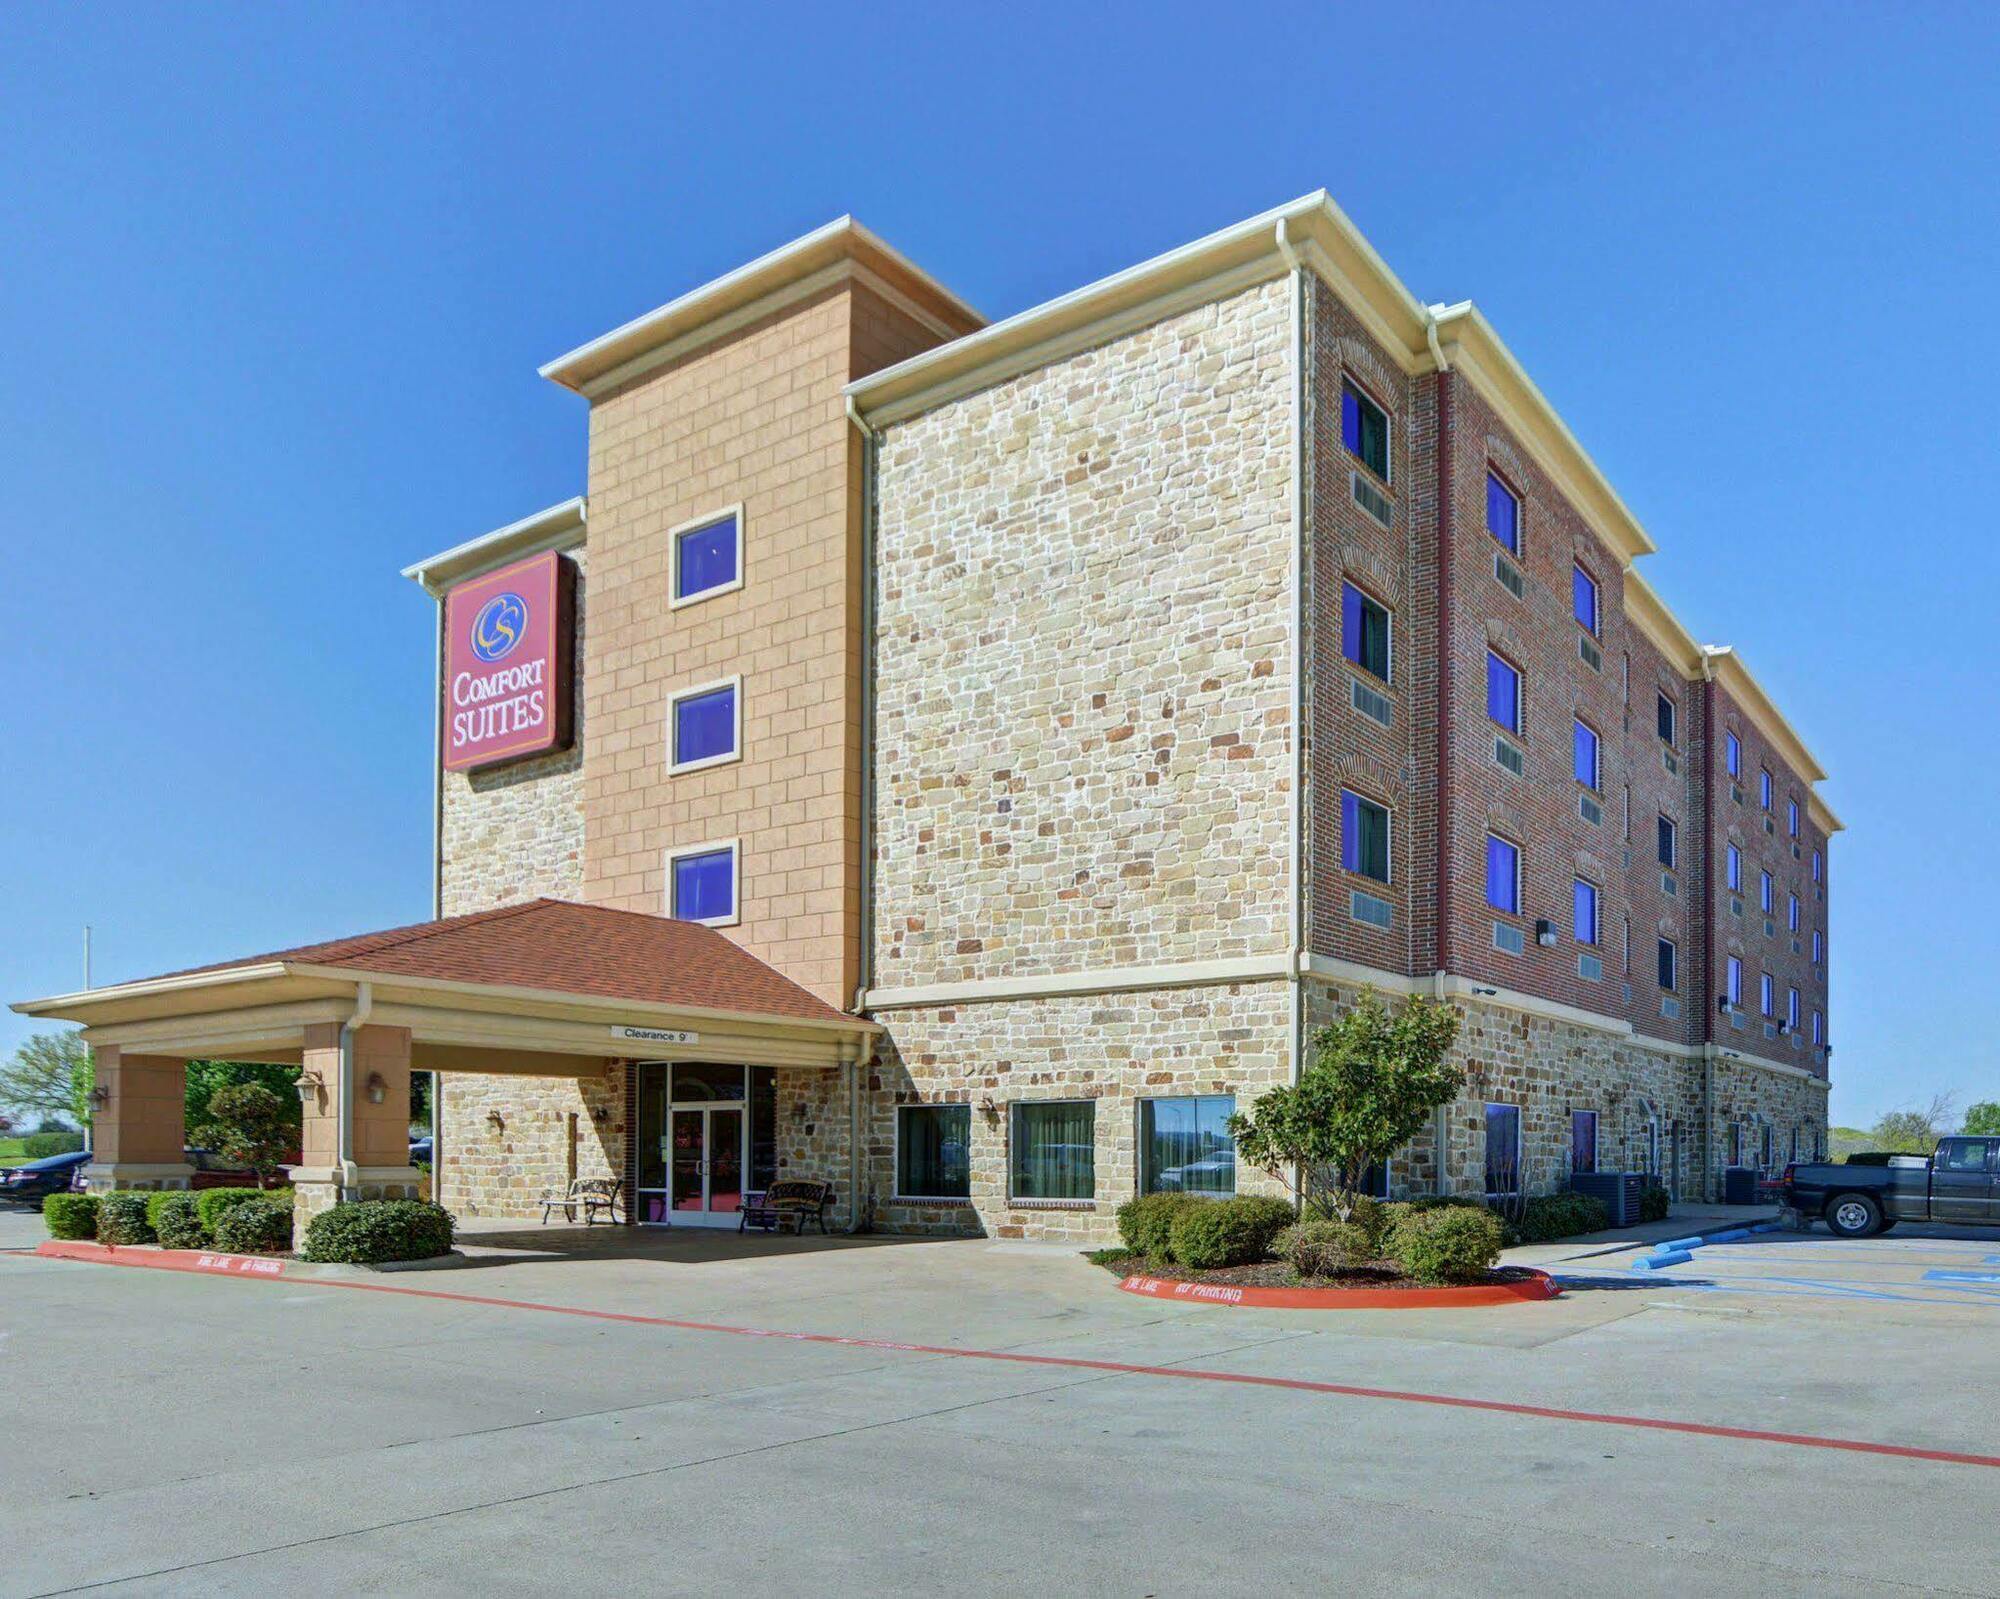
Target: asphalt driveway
x=635, y=1416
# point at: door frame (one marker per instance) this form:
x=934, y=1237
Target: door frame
x=704, y=1217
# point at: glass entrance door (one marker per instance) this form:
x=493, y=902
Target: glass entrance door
x=707, y=1163
x=693, y=1141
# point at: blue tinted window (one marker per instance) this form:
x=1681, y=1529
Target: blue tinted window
x=1584, y=759
x=1503, y=693
x=707, y=557
x=1364, y=836
x=1503, y=876
x=1584, y=599
x=1364, y=429
x=705, y=725
x=1732, y=753
x=1586, y=912
x=1503, y=514
x=705, y=886
x=1364, y=631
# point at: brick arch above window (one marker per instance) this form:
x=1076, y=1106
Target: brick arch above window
x=1667, y=927
x=1503, y=818
x=1591, y=866
x=1508, y=459
x=1377, y=574
x=1351, y=766
x=1356, y=355
x=1504, y=639
x=1732, y=945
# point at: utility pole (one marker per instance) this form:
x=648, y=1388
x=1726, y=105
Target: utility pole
x=86, y=955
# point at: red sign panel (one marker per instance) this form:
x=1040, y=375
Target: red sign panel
x=508, y=658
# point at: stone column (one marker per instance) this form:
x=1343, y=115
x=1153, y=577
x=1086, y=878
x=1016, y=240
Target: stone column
x=138, y=1136
x=378, y=1116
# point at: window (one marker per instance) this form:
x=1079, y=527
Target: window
x=1792, y=1009
x=706, y=558
x=1503, y=693
x=1767, y=896
x=1583, y=1140
x=1767, y=995
x=1669, y=959
x=1503, y=875
x=1054, y=1153
x=1764, y=789
x=701, y=884
x=1584, y=912
x=1765, y=1145
x=933, y=1151
x=1503, y=514
x=1669, y=838
x=1364, y=836
x=1792, y=817
x=1733, y=868
x=1792, y=911
x=1819, y=946
x=1583, y=598
x=1185, y=1147
x=1503, y=1149
x=1732, y=754
x=1583, y=760
x=706, y=726
x=1364, y=429
x=1364, y=631
x=1736, y=1143
x=1732, y=982
x=1818, y=1028
x=1815, y=866
x=1663, y=719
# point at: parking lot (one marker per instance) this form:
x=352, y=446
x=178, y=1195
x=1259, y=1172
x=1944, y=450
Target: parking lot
x=712, y=1415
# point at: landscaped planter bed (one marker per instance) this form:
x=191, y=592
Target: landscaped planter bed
x=1272, y=1285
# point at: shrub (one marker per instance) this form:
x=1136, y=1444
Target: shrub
x=1654, y=1203
x=1321, y=1248
x=1145, y=1222
x=1267, y=1215
x=1447, y=1243
x=121, y=1219
x=39, y=1146
x=71, y=1215
x=1371, y=1215
x=1221, y=1232
x=211, y=1203
x=1550, y=1216
x=258, y=1226
x=370, y=1231
x=176, y=1221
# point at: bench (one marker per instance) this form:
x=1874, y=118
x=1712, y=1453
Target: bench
x=594, y=1196
x=790, y=1202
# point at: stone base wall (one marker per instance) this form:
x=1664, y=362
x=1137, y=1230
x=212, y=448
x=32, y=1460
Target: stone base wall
x=1114, y=1049
x=502, y=1170
x=318, y=1189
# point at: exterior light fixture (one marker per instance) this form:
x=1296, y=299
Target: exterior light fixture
x=377, y=1090
x=100, y=1097
x=1490, y=993
x=309, y=1086
x=599, y=1113
x=495, y=1121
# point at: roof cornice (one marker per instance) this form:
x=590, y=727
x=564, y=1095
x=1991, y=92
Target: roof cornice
x=1646, y=611
x=560, y=527
x=840, y=250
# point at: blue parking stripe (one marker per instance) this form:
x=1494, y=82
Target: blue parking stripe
x=1962, y=1277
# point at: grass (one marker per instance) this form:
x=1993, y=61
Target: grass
x=13, y=1149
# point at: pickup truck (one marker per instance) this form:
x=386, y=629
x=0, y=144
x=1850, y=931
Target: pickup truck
x=1958, y=1185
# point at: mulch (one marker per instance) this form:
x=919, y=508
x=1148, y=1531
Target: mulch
x=1277, y=1274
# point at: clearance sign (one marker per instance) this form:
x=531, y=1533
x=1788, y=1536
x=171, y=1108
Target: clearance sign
x=508, y=660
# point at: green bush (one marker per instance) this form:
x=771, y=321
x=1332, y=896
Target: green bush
x=121, y=1219
x=71, y=1215
x=39, y=1146
x=1550, y=1216
x=371, y=1231
x=1268, y=1216
x=1654, y=1203
x=1144, y=1223
x=261, y=1225
x=211, y=1203
x=1321, y=1248
x=176, y=1221
x=1447, y=1243
x=1220, y=1232
x=1372, y=1216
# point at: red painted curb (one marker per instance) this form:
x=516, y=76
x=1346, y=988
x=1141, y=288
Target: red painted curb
x=205, y=1260
x=1250, y=1297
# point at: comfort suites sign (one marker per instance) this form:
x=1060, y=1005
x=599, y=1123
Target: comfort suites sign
x=508, y=660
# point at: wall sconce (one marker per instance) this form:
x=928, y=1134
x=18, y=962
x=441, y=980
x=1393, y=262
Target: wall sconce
x=309, y=1086
x=987, y=1108
x=496, y=1121
x=376, y=1089
x=100, y=1097
x=600, y=1113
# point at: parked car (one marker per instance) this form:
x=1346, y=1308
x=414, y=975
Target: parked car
x=1958, y=1184
x=212, y=1171
x=35, y=1180
x=420, y=1152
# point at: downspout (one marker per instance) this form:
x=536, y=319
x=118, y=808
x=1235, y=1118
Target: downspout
x=1441, y=752
x=1707, y=918
x=1295, y=967
x=865, y=911
x=343, y=1118
x=437, y=874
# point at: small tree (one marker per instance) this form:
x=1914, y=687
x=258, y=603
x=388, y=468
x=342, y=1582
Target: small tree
x=50, y=1076
x=1915, y=1130
x=249, y=1127
x=1374, y=1079
x=1984, y=1117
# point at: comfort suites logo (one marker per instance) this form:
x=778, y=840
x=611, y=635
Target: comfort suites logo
x=508, y=661
x=501, y=624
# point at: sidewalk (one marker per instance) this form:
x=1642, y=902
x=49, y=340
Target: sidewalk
x=1683, y=1221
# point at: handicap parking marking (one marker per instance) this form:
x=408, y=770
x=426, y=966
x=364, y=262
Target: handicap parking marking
x=1992, y=1277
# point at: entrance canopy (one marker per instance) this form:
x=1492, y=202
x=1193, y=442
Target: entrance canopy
x=546, y=988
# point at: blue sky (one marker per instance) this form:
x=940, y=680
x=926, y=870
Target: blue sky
x=274, y=284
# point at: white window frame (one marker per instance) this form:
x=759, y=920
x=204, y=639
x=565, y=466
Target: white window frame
x=1674, y=945
x=1388, y=842
x=1818, y=1027
x=1595, y=940
x=1765, y=788
x=1519, y=553
x=675, y=600
x=1673, y=738
x=1732, y=981
x=1520, y=883
x=1793, y=1012
x=1767, y=996
x=735, y=750
x=1732, y=868
x=1388, y=478
x=1595, y=783
x=1732, y=756
x=1767, y=892
x=1389, y=616
x=1792, y=817
x=1792, y=912
x=1596, y=598
x=1673, y=862
x=1518, y=731
x=713, y=846
x=896, y=1156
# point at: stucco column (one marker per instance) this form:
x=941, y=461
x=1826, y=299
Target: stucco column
x=377, y=1113
x=138, y=1133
